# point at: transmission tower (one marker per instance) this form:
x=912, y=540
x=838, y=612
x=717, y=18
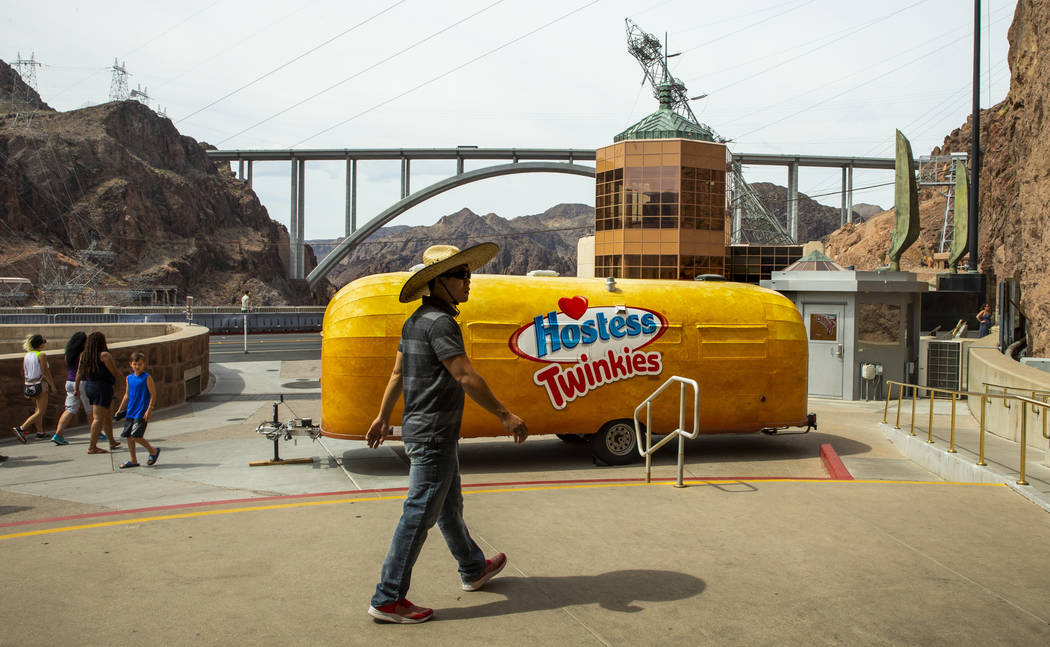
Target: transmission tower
x=26, y=69
x=25, y=102
x=141, y=95
x=938, y=172
x=59, y=286
x=118, y=85
x=753, y=222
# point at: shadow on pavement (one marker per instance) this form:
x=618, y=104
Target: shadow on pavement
x=25, y=461
x=550, y=454
x=613, y=591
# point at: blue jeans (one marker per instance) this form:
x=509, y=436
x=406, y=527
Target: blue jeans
x=434, y=495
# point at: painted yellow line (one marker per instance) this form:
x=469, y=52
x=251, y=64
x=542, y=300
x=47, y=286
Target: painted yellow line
x=533, y=488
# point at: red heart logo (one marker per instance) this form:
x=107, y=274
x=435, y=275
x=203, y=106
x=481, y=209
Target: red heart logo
x=574, y=307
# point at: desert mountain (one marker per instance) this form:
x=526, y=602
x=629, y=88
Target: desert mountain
x=1015, y=185
x=113, y=192
x=815, y=220
x=545, y=241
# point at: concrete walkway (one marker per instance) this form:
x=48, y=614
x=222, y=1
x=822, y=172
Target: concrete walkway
x=761, y=548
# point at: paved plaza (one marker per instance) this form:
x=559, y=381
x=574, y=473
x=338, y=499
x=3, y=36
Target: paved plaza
x=762, y=547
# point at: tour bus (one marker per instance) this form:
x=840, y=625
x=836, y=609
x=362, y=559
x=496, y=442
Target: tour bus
x=575, y=356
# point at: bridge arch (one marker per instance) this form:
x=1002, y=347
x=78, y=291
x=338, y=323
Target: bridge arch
x=348, y=244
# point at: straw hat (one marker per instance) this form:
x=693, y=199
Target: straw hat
x=438, y=259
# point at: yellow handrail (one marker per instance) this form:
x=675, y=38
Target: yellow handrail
x=955, y=394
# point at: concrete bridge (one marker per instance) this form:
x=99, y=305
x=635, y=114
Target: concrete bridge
x=510, y=161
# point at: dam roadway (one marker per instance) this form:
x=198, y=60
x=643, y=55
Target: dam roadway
x=764, y=546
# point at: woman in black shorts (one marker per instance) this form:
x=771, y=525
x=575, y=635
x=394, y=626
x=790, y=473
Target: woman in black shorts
x=97, y=374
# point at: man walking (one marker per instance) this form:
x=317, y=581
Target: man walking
x=433, y=372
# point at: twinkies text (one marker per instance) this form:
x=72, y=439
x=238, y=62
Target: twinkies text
x=565, y=384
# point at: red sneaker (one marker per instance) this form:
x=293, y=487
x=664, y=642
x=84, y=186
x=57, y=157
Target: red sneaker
x=492, y=568
x=402, y=612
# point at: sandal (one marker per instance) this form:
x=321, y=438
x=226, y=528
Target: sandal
x=128, y=464
x=153, y=457
x=114, y=445
x=97, y=450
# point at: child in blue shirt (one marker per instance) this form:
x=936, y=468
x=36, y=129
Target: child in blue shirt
x=137, y=406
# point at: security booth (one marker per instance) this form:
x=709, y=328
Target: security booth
x=862, y=326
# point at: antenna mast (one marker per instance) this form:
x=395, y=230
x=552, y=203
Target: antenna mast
x=646, y=49
x=752, y=223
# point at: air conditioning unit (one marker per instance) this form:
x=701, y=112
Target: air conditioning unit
x=943, y=362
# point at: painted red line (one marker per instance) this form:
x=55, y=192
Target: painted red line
x=833, y=464
x=199, y=504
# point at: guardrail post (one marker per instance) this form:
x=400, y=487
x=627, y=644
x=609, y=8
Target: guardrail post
x=648, y=441
x=900, y=398
x=681, y=439
x=1024, y=443
x=931, y=394
x=914, y=396
x=984, y=399
x=886, y=409
x=951, y=441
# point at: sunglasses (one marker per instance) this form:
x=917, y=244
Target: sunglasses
x=462, y=274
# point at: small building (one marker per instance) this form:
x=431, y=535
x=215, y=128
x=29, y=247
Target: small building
x=854, y=319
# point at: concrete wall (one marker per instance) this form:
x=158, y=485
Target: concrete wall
x=12, y=335
x=176, y=354
x=991, y=366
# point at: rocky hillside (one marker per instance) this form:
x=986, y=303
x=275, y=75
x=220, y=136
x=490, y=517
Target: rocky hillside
x=1015, y=181
x=815, y=220
x=545, y=241
x=118, y=178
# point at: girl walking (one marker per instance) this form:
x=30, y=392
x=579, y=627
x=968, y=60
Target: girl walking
x=38, y=383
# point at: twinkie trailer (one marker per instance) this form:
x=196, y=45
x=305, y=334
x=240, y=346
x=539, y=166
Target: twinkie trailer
x=575, y=356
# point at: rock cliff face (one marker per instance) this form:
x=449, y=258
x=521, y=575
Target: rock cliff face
x=545, y=241
x=1015, y=181
x=118, y=177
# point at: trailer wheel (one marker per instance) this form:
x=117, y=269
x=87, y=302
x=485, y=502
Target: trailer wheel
x=570, y=438
x=615, y=443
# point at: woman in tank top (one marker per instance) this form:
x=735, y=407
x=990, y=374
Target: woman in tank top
x=37, y=378
x=97, y=374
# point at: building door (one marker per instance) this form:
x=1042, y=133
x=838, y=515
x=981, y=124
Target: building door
x=824, y=330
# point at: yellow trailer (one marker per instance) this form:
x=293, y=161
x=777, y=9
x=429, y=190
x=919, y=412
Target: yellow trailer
x=574, y=357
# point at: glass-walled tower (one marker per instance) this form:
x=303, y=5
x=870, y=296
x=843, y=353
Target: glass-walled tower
x=660, y=200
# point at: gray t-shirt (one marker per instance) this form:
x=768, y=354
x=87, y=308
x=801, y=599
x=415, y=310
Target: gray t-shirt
x=433, y=399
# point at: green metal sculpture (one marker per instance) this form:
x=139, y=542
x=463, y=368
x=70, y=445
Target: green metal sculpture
x=906, y=204
x=961, y=222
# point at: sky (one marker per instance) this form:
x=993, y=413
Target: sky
x=813, y=77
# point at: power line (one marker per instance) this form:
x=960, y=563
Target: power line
x=746, y=27
x=443, y=75
x=846, y=34
x=151, y=40
x=846, y=91
x=366, y=69
x=286, y=64
x=222, y=51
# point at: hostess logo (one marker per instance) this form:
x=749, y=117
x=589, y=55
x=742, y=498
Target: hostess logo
x=578, y=329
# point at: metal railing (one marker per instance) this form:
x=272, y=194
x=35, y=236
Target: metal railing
x=680, y=432
x=1005, y=397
